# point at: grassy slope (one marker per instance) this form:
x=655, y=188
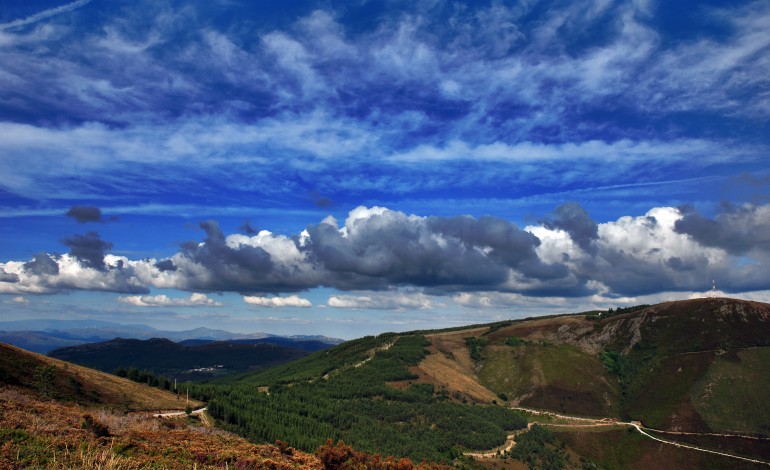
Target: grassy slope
x=313, y=366
x=558, y=377
x=728, y=394
x=57, y=379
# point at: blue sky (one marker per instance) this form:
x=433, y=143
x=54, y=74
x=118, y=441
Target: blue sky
x=348, y=168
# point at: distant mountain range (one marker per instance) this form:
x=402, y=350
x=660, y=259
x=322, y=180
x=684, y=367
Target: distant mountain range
x=193, y=359
x=42, y=336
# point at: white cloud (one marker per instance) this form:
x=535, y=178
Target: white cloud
x=385, y=253
x=277, y=302
x=383, y=301
x=195, y=300
x=622, y=152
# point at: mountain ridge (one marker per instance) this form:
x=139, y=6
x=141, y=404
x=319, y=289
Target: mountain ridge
x=196, y=359
x=42, y=336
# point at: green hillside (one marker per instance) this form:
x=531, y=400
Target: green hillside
x=361, y=392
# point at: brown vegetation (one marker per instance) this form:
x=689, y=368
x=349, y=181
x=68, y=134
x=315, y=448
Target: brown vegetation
x=448, y=366
x=341, y=456
x=49, y=434
x=52, y=378
x=628, y=449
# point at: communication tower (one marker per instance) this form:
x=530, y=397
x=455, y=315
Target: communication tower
x=713, y=293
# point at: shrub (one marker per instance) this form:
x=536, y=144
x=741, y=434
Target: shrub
x=95, y=427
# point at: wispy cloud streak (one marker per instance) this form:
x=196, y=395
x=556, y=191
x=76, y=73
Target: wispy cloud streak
x=43, y=15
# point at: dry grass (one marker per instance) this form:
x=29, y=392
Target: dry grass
x=18, y=367
x=448, y=365
x=47, y=434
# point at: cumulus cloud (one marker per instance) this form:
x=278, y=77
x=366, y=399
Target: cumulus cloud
x=736, y=229
x=382, y=301
x=388, y=252
x=574, y=220
x=277, y=302
x=89, y=249
x=41, y=264
x=51, y=274
x=195, y=300
x=8, y=277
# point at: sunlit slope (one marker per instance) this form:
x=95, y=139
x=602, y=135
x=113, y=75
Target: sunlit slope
x=532, y=371
x=52, y=378
x=696, y=365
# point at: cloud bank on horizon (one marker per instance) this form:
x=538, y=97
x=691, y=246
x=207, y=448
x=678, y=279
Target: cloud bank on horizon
x=381, y=250
x=477, y=153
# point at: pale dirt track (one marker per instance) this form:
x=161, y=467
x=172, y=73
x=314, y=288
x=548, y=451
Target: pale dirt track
x=173, y=414
x=604, y=422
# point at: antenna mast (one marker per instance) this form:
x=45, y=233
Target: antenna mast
x=713, y=293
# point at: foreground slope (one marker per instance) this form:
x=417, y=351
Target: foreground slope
x=39, y=433
x=52, y=378
x=59, y=415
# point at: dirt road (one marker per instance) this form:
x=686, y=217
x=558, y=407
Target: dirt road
x=173, y=414
x=597, y=422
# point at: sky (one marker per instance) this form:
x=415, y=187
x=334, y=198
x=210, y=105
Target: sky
x=351, y=168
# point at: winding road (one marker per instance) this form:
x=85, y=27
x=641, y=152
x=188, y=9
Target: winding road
x=597, y=422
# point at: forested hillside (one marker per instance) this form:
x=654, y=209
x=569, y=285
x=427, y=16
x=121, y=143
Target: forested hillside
x=695, y=366
x=360, y=392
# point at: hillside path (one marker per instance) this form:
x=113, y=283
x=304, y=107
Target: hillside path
x=173, y=414
x=370, y=355
x=597, y=422
x=510, y=443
